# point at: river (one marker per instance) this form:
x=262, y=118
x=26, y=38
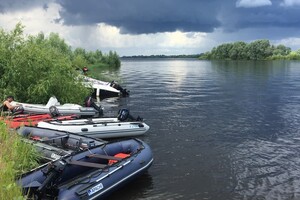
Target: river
x=218, y=130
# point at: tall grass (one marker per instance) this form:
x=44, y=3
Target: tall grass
x=16, y=157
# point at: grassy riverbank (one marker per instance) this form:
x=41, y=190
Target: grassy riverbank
x=16, y=157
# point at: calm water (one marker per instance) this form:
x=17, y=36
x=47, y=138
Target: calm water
x=219, y=130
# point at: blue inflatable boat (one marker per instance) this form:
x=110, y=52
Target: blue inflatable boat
x=92, y=173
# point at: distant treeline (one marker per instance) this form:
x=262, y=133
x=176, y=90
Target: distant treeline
x=257, y=50
x=164, y=56
x=80, y=57
x=34, y=68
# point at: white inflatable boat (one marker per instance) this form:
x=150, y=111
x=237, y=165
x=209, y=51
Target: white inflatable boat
x=54, y=107
x=98, y=127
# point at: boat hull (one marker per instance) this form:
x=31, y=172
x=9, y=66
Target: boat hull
x=60, y=139
x=65, y=109
x=32, y=120
x=82, y=182
x=96, y=129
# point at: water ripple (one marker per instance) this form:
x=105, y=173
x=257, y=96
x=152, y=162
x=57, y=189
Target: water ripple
x=219, y=130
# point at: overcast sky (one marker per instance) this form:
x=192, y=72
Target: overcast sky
x=146, y=27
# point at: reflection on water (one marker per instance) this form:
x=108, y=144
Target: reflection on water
x=219, y=130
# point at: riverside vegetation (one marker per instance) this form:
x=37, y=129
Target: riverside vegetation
x=33, y=68
x=16, y=157
x=257, y=50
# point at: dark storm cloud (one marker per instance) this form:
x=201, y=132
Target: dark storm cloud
x=144, y=16
x=273, y=16
x=152, y=16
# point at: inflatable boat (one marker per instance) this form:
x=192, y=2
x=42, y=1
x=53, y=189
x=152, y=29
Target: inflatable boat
x=104, y=89
x=90, y=174
x=123, y=126
x=53, y=144
x=65, y=109
x=98, y=127
x=16, y=121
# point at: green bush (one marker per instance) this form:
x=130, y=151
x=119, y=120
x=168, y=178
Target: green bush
x=35, y=69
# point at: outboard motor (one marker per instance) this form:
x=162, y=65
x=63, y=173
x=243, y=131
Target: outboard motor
x=125, y=93
x=124, y=115
x=115, y=85
x=52, y=172
x=54, y=111
x=86, y=143
x=89, y=102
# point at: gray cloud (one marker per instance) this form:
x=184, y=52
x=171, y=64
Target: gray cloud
x=13, y=5
x=223, y=20
x=271, y=17
x=144, y=16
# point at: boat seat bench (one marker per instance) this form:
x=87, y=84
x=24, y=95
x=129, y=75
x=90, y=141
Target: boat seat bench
x=104, y=157
x=86, y=164
x=91, y=164
x=46, y=139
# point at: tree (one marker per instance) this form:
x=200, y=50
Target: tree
x=9, y=43
x=35, y=70
x=55, y=41
x=113, y=59
x=206, y=56
x=237, y=52
x=79, y=61
x=258, y=50
x=281, y=50
x=222, y=51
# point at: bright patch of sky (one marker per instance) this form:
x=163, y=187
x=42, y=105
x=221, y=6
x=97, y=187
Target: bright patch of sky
x=253, y=3
x=290, y=3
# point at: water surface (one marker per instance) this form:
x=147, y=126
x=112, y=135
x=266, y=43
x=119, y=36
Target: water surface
x=219, y=130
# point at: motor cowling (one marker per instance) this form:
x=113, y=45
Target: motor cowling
x=123, y=114
x=54, y=111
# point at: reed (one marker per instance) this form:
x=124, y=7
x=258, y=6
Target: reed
x=16, y=157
